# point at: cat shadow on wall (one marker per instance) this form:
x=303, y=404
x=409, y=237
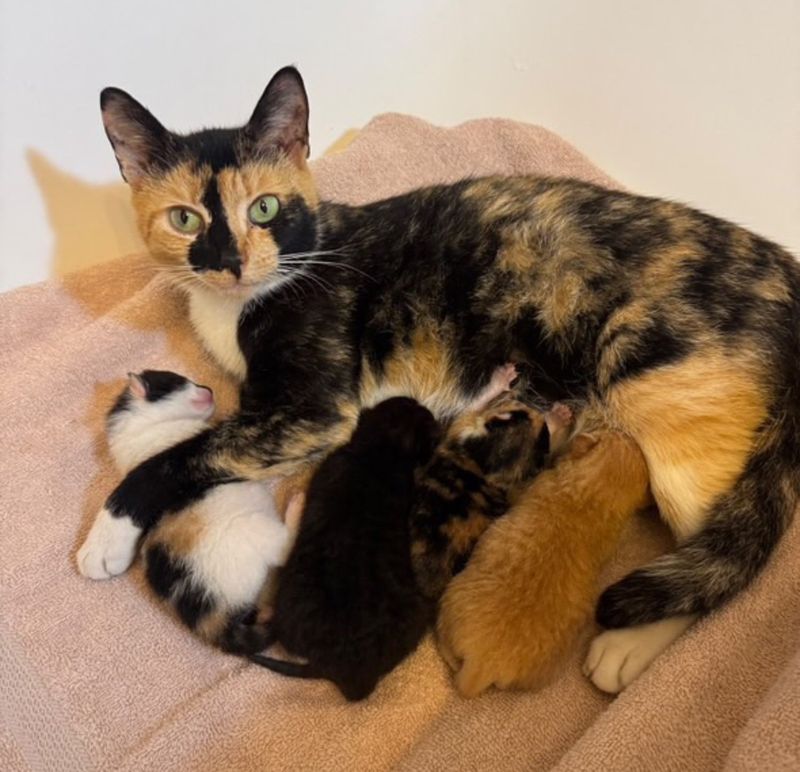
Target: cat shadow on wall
x=92, y=223
x=95, y=234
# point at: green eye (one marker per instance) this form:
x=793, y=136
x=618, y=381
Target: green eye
x=185, y=220
x=263, y=209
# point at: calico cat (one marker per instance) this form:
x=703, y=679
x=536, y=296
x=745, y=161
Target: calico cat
x=211, y=563
x=514, y=612
x=346, y=598
x=486, y=459
x=681, y=329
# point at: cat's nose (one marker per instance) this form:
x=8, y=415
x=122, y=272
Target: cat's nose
x=230, y=260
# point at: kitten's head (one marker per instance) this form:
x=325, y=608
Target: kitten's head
x=219, y=207
x=399, y=425
x=507, y=440
x=156, y=397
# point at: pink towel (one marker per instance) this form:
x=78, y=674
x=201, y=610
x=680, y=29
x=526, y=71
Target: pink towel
x=94, y=675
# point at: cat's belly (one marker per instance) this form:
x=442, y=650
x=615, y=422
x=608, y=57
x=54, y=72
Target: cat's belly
x=215, y=319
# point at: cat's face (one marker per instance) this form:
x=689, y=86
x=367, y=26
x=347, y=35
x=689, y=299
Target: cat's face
x=229, y=209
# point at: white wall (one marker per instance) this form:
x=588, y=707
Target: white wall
x=694, y=99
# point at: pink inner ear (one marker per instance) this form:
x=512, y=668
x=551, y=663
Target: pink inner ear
x=503, y=416
x=137, y=386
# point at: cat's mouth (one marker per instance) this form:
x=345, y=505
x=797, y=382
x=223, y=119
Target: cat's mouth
x=244, y=287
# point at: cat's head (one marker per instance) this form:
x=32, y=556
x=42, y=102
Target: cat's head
x=220, y=207
x=159, y=397
x=508, y=441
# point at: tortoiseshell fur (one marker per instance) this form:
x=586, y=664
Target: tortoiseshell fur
x=486, y=459
x=681, y=330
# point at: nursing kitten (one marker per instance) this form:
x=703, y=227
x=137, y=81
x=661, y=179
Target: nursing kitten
x=210, y=563
x=486, y=459
x=514, y=612
x=346, y=600
x=683, y=329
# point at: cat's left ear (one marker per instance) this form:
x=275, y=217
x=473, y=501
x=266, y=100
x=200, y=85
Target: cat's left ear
x=280, y=120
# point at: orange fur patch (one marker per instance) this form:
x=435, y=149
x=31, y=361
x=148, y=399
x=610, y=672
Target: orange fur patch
x=696, y=423
x=510, y=616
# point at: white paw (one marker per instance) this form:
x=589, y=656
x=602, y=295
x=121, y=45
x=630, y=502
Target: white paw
x=109, y=548
x=618, y=657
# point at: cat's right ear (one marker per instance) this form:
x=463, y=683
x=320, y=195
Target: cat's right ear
x=138, y=139
x=137, y=385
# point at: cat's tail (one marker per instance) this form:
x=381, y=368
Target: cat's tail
x=715, y=564
x=284, y=667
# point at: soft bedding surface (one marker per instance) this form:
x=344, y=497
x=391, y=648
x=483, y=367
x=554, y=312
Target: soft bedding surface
x=94, y=675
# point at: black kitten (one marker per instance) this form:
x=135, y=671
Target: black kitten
x=347, y=601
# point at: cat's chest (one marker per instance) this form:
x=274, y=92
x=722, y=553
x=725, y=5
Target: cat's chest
x=215, y=320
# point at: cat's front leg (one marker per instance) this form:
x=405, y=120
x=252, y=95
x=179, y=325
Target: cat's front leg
x=240, y=448
x=167, y=482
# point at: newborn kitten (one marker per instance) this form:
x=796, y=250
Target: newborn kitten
x=532, y=580
x=210, y=561
x=346, y=600
x=485, y=460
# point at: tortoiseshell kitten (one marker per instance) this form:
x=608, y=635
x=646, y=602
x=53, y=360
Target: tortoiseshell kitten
x=486, y=459
x=680, y=329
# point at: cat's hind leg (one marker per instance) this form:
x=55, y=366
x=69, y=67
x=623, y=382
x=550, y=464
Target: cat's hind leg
x=722, y=474
x=617, y=657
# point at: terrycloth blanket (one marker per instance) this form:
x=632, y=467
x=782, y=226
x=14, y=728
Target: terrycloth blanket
x=94, y=675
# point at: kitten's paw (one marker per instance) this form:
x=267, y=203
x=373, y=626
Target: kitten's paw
x=503, y=377
x=294, y=512
x=618, y=657
x=109, y=548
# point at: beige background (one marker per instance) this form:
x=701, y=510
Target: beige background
x=693, y=99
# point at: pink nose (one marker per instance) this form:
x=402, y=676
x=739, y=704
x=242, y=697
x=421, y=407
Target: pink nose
x=203, y=397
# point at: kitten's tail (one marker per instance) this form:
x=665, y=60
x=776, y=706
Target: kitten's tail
x=291, y=669
x=245, y=634
x=722, y=559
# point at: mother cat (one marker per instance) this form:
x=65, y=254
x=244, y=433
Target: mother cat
x=681, y=329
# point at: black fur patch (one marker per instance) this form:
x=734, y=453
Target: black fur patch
x=161, y=383
x=215, y=249
x=163, y=573
x=294, y=228
x=184, y=479
x=656, y=345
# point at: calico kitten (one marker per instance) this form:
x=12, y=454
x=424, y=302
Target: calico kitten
x=211, y=562
x=346, y=598
x=682, y=329
x=514, y=612
x=485, y=460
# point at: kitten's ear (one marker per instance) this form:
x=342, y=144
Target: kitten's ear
x=138, y=139
x=137, y=385
x=280, y=119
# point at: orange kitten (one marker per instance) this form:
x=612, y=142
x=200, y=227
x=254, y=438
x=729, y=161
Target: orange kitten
x=531, y=583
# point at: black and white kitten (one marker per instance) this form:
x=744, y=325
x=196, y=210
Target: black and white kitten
x=211, y=561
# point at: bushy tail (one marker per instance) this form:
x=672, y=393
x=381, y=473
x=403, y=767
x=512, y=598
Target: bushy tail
x=722, y=559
